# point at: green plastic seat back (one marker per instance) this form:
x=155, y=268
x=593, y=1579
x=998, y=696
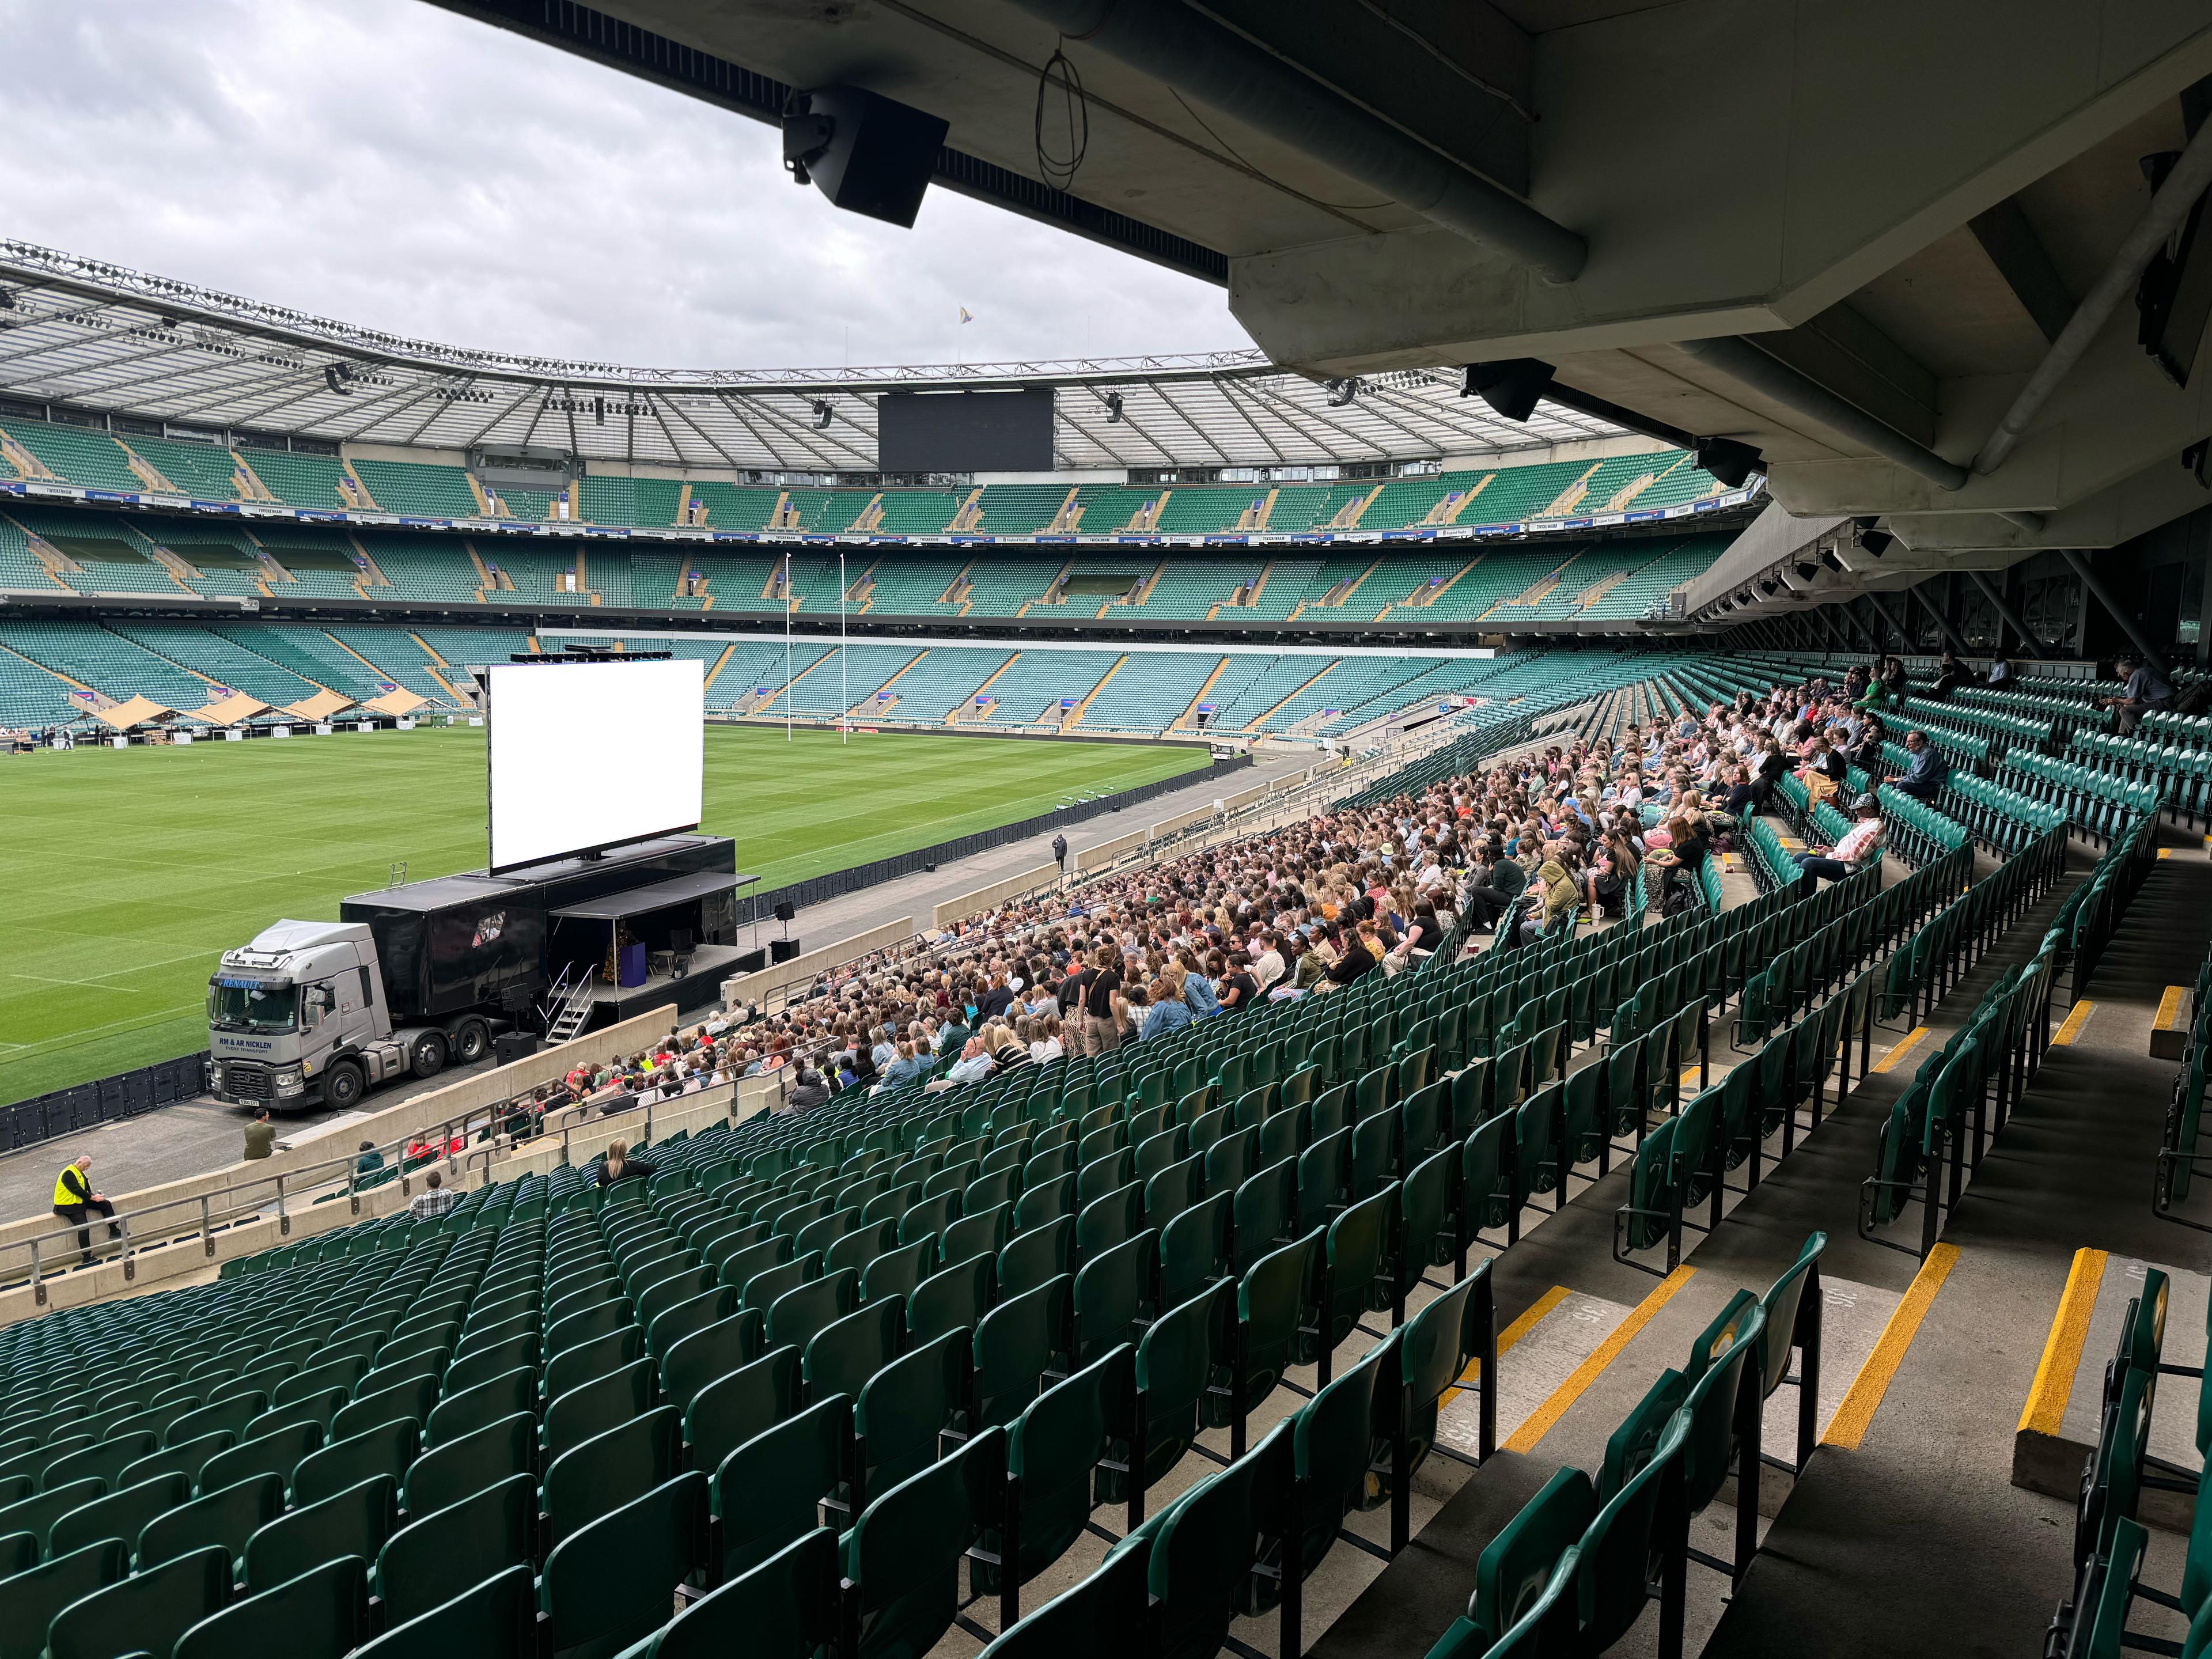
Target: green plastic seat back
x=356, y=1522
x=783, y=1608
x=902, y=1558
x=145, y=1613
x=569, y=1368
x=613, y=1584
x=1621, y=1549
x=442, y=1554
x=739, y=1267
x=1109, y=1218
x=1102, y=1616
x=446, y=1475
x=857, y=1249
x=979, y=1232
x=103, y=1460
x=1435, y=1348
x=845, y=1354
x=1039, y=1253
x=1356, y=1242
x=1517, y=1567
x=1111, y=1293
x=768, y=1491
x=795, y=1316
x=1015, y=1345
x=896, y=1271
x=227, y=1516
x=1174, y=1363
x=904, y=1407
x=1273, y=1299
x=1052, y=1447
x=187, y=1458
x=1780, y=1303
x=1333, y=1445
x=1204, y=1549
x=1470, y=1098
x=30, y=1598
x=277, y=1452
x=593, y=1407
x=1265, y=1208
x=1195, y=1249
x=483, y=1363
x=1709, y=1444
x=610, y=1470
x=953, y=1298
x=1633, y=1441
x=1650, y=1188
x=410, y=1400
x=320, y=1614
x=122, y=1513
x=232, y=1414
x=734, y=1407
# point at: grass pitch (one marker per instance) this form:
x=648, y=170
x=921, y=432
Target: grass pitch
x=129, y=871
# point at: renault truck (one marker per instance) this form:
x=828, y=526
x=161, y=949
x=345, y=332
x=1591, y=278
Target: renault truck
x=424, y=975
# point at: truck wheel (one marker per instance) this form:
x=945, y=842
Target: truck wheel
x=342, y=1086
x=428, y=1057
x=471, y=1042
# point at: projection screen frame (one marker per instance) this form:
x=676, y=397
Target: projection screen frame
x=588, y=849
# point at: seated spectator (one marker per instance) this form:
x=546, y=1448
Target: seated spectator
x=1926, y=773
x=809, y=1093
x=1046, y=1046
x=2143, y=692
x=618, y=1165
x=433, y=1200
x=1853, y=848
x=370, y=1160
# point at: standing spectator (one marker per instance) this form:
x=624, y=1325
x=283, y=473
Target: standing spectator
x=1099, y=1005
x=1059, y=854
x=74, y=1200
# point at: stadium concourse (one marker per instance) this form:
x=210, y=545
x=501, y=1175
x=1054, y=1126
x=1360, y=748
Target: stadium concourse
x=1660, y=1268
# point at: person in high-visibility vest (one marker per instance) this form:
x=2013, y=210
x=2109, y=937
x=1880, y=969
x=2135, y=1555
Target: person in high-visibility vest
x=74, y=1201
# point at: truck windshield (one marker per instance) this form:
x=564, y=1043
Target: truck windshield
x=242, y=1006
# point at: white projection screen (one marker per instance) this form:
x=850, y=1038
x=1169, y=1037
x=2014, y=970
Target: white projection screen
x=587, y=755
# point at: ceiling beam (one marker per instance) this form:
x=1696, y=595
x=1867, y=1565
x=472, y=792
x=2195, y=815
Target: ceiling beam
x=2025, y=264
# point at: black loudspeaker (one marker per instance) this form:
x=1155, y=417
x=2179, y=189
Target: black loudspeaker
x=869, y=155
x=784, y=910
x=510, y=1046
x=1511, y=386
x=751, y=963
x=782, y=949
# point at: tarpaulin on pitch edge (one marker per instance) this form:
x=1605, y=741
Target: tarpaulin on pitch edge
x=397, y=702
x=136, y=712
x=228, y=711
x=320, y=706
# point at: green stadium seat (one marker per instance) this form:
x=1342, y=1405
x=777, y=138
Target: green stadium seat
x=146, y=1612
x=442, y=1554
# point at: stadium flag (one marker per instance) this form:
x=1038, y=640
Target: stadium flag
x=966, y=315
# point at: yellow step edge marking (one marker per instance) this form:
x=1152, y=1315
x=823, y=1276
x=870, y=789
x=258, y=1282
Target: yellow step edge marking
x=1848, y=1425
x=1539, y=1424
x=2169, y=1008
x=1512, y=1334
x=1898, y=1050
x=2166, y=851
x=2073, y=1023
x=2062, y=1354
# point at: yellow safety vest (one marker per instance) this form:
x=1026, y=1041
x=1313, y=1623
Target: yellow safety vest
x=62, y=1192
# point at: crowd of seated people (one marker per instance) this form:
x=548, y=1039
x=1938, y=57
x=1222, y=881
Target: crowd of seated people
x=1372, y=888
x=1585, y=829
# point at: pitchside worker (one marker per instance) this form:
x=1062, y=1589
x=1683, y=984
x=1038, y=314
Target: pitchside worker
x=73, y=1198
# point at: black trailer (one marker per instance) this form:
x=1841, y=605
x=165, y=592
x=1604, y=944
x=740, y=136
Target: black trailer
x=478, y=941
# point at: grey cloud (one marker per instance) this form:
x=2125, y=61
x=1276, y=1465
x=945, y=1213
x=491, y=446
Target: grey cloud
x=392, y=164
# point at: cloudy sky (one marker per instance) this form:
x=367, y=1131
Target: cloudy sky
x=389, y=163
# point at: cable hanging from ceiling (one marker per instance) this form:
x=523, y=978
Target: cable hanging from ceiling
x=1058, y=162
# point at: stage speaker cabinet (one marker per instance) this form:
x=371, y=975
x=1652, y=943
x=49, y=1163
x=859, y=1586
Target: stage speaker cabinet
x=510, y=1046
x=868, y=154
x=782, y=949
x=786, y=910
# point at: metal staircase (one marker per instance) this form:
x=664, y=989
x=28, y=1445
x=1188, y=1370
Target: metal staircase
x=571, y=1003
